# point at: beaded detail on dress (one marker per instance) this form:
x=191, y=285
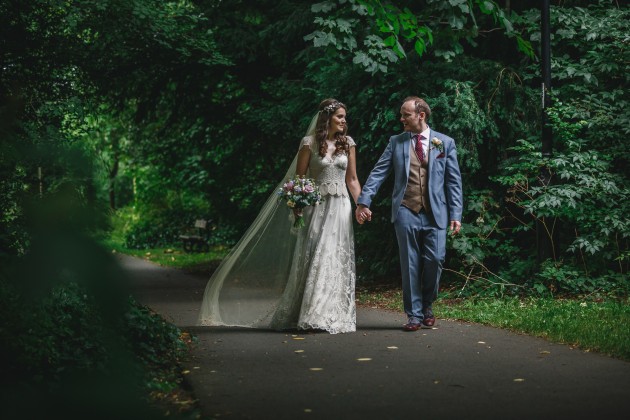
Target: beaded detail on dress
x=333, y=188
x=329, y=173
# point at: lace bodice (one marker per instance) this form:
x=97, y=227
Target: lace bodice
x=330, y=174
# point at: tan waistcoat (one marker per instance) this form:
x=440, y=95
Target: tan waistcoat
x=416, y=195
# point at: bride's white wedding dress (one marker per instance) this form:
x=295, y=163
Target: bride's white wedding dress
x=320, y=292
x=282, y=278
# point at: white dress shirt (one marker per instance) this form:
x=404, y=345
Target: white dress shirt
x=424, y=138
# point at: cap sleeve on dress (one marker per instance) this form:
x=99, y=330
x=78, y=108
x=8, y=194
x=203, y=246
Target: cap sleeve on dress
x=306, y=141
x=351, y=142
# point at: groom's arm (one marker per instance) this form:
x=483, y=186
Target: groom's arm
x=453, y=184
x=378, y=175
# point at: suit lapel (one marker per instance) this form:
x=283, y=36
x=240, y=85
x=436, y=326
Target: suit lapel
x=430, y=155
x=434, y=152
x=406, y=146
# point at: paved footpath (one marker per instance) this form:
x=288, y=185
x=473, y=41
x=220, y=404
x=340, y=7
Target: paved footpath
x=455, y=371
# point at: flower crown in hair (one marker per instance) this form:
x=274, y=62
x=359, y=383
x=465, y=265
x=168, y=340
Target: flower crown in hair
x=331, y=108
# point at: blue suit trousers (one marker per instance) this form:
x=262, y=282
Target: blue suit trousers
x=422, y=248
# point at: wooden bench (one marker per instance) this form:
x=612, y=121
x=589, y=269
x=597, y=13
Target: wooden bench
x=197, y=239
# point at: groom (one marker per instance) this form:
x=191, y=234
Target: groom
x=427, y=198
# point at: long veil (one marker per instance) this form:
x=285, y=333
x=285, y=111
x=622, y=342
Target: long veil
x=246, y=287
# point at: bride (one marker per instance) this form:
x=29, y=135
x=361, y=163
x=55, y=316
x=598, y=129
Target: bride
x=282, y=278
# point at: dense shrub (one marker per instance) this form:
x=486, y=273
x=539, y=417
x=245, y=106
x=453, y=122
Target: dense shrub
x=65, y=350
x=153, y=233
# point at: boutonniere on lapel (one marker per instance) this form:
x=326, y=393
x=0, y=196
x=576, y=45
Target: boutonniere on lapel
x=438, y=145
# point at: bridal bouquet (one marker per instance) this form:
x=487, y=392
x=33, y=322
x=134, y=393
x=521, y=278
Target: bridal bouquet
x=300, y=192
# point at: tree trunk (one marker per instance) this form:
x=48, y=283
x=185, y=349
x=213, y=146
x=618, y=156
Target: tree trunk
x=112, y=180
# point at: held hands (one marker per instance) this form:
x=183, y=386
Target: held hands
x=363, y=214
x=455, y=227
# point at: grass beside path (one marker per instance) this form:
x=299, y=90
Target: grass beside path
x=601, y=326
x=202, y=263
x=594, y=326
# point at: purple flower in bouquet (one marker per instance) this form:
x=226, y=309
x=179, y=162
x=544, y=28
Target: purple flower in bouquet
x=299, y=193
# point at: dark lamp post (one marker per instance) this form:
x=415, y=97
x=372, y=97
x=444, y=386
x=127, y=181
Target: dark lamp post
x=545, y=232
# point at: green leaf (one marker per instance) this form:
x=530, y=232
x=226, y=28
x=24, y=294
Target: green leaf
x=323, y=7
x=390, y=41
x=420, y=46
x=486, y=7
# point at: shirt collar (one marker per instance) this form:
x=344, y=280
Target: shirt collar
x=424, y=135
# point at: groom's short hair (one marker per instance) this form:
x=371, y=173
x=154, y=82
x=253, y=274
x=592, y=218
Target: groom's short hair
x=420, y=105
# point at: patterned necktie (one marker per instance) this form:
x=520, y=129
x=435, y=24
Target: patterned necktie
x=419, y=149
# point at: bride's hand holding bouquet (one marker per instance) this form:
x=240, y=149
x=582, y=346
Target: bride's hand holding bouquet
x=299, y=193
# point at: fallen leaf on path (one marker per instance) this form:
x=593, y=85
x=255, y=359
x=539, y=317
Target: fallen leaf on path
x=519, y=380
x=298, y=338
x=308, y=410
x=392, y=347
x=298, y=351
x=364, y=359
x=481, y=342
x=185, y=372
x=545, y=352
x=436, y=382
x=316, y=369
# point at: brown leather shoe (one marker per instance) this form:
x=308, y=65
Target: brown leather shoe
x=413, y=324
x=429, y=322
x=411, y=327
x=429, y=318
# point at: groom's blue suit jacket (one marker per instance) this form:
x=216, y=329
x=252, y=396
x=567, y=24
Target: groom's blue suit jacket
x=445, y=180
